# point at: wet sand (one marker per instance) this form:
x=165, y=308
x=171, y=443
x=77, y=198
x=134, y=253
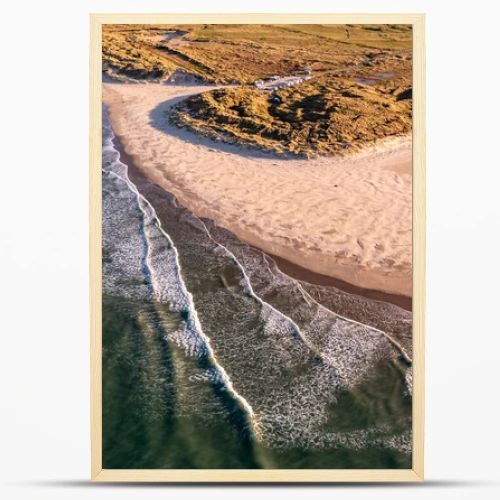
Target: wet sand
x=303, y=274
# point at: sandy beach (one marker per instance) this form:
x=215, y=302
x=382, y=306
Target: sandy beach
x=347, y=218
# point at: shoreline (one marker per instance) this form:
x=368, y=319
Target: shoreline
x=181, y=163
x=304, y=274
x=287, y=267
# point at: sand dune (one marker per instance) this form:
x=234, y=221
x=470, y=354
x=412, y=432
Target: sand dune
x=346, y=218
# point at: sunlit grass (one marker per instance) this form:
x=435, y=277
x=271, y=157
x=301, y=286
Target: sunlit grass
x=360, y=90
x=325, y=115
x=242, y=53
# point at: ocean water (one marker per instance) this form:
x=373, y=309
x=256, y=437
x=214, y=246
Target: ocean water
x=213, y=360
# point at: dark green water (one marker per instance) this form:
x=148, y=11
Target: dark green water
x=152, y=418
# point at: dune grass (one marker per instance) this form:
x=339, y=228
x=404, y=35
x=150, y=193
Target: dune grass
x=360, y=91
x=242, y=53
x=326, y=115
x=129, y=52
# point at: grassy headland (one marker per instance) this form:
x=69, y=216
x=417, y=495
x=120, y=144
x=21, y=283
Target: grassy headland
x=325, y=115
x=360, y=90
x=242, y=53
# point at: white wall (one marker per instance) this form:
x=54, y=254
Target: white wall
x=43, y=242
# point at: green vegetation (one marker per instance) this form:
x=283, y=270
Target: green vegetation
x=325, y=115
x=130, y=52
x=360, y=91
x=242, y=53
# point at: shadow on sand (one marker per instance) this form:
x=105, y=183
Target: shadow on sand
x=159, y=119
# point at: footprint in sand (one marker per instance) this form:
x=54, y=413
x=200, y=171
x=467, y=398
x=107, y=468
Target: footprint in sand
x=341, y=254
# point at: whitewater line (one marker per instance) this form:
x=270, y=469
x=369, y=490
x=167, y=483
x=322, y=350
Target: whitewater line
x=307, y=297
x=393, y=341
x=263, y=303
x=211, y=354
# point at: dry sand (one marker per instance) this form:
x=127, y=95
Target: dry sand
x=347, y=218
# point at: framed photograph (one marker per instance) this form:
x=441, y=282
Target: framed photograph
x=257, y=247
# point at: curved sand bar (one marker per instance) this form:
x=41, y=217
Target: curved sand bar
x=348, y=218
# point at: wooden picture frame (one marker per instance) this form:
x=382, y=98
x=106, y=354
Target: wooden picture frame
x=416, y=473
